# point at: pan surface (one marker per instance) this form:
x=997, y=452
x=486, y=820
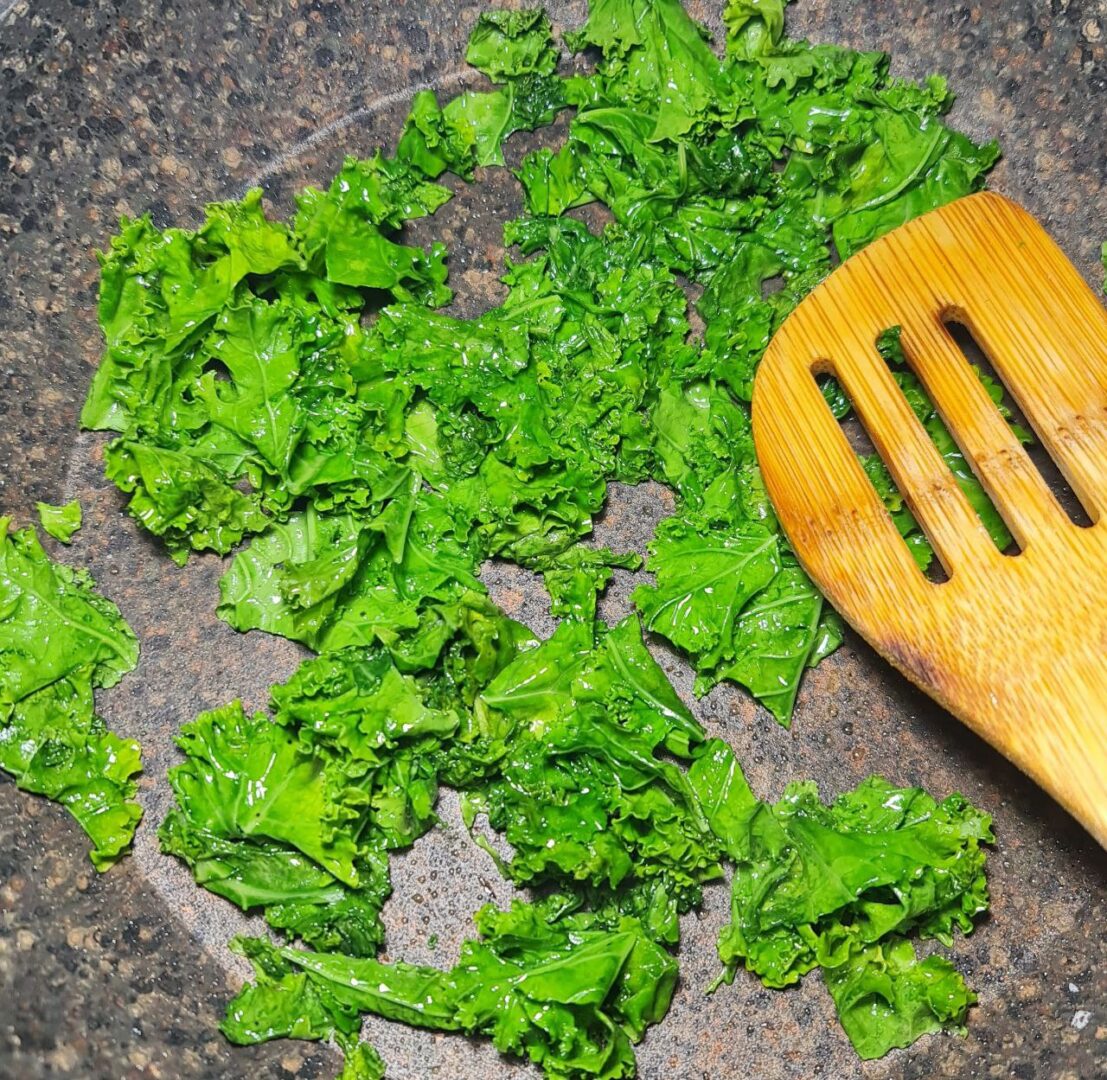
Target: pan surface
x=124, y=106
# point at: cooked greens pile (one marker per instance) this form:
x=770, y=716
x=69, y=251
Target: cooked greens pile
x=59, y=641
x=299, y=385
x=569, y=991
x=838, y=886
x=616, y=808
x=296, y=394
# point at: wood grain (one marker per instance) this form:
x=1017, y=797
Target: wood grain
x=1013, y=645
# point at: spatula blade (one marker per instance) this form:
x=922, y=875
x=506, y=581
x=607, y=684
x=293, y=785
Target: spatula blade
x=1012, y=645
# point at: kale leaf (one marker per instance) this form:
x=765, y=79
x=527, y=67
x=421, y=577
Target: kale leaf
x=61, y=522
x=59, y=641
x=704, y=581
x=565, y=991
x=887, y=998
x=509, y=44
x=837, y=887
x=295, y=815
x=583, y=792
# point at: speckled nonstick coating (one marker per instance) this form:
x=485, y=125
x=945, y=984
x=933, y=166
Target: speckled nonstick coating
x=135, y=105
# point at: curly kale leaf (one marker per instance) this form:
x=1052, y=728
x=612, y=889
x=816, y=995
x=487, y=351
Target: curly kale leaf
x=837, y=887
x=295, y=815
x=59, y=640
x=566, y=992
x=508, y=44
x=887, y=998
x=576, y=578
x=816, y=882
x=583, y=790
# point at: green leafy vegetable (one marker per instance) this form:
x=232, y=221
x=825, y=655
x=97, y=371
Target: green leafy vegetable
x=836, y=886
x=886, y=998
x=60, y=640
x=703, y=583
x=508, y=44
x=565, y=992
x=839, y=861
x=61, y=522
x=781, y=632
x=252, y=398
x=754, y=27
x=654, y=55
x=576, y=578
x=470, y=130
x=583, y=794
x=295, y=815
x=247, y=777
x=363, y=1063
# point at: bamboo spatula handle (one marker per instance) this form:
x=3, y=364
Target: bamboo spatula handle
x=1015, y=646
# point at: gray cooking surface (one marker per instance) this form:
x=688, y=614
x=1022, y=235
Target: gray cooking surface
x=136, y=105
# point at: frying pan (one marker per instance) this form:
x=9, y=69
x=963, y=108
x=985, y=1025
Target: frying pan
x=124, y=106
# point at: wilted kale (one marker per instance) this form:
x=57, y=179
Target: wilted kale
x=557, y=987
x=59, y=641
x=583, y=789
x=294, y=815
x=785, y=149
x=837, y=886
x=579, y=751
x=509, y=44
x=61, y=522
x=296, y=394
x=251, y=398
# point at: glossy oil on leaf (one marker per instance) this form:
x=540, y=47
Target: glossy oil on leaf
x=837, y=887
x=61, y=522
x=59, y=641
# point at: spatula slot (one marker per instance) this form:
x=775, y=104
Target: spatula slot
x=903, y=353
x=978, y=444
x=860, y=443
x=957, y=325
x=884, y=486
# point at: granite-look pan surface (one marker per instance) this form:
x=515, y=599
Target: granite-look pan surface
x=123, y=106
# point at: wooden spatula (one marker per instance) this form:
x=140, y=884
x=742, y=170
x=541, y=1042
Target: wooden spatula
x=1013, y=645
